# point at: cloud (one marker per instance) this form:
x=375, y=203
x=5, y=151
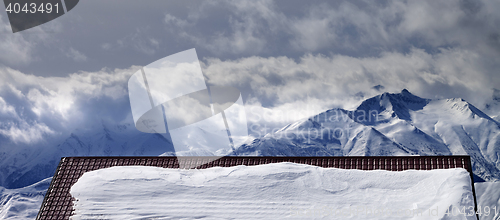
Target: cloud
x=285, y=56
x=25, y=133
x=169, y=19
x=355, y=28
x=276, y=90
x=238, y=29
x=6, y=109
x=243, y=27
x=15, y=49
x=289, y=90
x=20, y=130
x=21, y=48
x=76, y=55
x=33, y=108
x=139, y=40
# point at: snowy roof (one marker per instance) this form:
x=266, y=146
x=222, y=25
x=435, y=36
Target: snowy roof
x=271, y=191
x=58, y=202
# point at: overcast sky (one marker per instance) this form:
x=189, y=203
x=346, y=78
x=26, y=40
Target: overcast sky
x=293, y=58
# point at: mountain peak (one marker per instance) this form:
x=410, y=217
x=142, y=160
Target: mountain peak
x=396, y=104
x=462, y=105
x=403, y=94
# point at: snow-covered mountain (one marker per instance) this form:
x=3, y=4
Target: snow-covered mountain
x=391, y=124
x=387, y=124
x=22, y=203
x=23, y=167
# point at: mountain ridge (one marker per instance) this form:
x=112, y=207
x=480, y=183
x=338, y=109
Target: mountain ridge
x=392, y=124
x=383, y=125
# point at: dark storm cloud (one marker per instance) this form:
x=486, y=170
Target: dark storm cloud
x=121, y=33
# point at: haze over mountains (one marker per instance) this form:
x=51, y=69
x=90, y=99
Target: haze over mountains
x=387, y=124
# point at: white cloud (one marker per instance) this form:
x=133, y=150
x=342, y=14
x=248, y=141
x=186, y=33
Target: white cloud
x=315, y=83
x=17, y=128
x=6, y=109
x=281, y=88
x=435, y=49
x=25, y=133
x=34, y=107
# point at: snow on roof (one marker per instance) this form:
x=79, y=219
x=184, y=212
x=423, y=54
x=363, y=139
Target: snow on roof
x=270, y=191
x=58, y=202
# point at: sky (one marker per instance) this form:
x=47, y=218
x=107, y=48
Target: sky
x=290, y=59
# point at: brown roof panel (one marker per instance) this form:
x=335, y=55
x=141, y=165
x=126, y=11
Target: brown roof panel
x=58, y=203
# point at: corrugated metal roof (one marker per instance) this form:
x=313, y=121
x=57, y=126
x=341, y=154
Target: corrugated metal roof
x=58, y=203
